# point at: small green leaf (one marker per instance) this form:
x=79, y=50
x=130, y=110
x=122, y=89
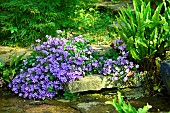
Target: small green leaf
x=19, y=58
x=155, y=88
x=1, y=65
x=145, y=109
x=155, y=17
x=5, y=73
x=134, y=54
x=51, y=77
x=13, y=60
x=135, y=5
x=120, y=99
x=13, y=29
x=7, y=79
x=13, y=72
x=138, y=40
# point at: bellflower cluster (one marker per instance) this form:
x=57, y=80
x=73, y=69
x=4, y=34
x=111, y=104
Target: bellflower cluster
x=52, y=64
x=61, y=60
x=118, y=67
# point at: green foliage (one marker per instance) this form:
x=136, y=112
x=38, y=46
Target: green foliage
x=147, y=36
x=22, y=21
x=146, y=33
x=68, y=95
x=122, y=107
x=7, y=72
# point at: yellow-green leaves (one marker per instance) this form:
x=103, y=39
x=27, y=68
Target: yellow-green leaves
x=134, y=53
x=145, y=109
x=155, y=17
x=122, y=107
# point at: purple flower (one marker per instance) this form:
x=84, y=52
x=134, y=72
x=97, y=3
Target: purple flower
x=122, y=47
x=38, y=48
x=61, y=60
x=127, y=70
x=79, y=39
x=38, y=40
x=114, y=78
x=125, y=78
x=95, y=64
x=117, y=41
x=59, y=31
x=137, y=66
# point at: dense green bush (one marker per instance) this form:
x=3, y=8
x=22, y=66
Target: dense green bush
x=24, y=21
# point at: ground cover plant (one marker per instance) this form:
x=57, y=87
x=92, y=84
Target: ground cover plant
x=61, y=60
x=147, y=36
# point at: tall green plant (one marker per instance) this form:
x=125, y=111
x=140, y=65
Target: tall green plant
x=146, y=33
x=147, y=36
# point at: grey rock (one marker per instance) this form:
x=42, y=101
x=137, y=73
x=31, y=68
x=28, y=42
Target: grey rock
x=97, y=82
x=88, y=105
x=134, y=93
x=6, y=53
x=165, y=73
x=102, y=49
x=116, y=6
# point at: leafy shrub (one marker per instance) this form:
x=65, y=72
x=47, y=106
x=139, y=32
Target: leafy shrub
x=20, y=19
x=147, y=37
x=23, y=22
x=60, y=60
x=122, y=107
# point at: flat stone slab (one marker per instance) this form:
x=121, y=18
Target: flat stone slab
x=98, y=82
x=6, y=53
x=88, y=105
